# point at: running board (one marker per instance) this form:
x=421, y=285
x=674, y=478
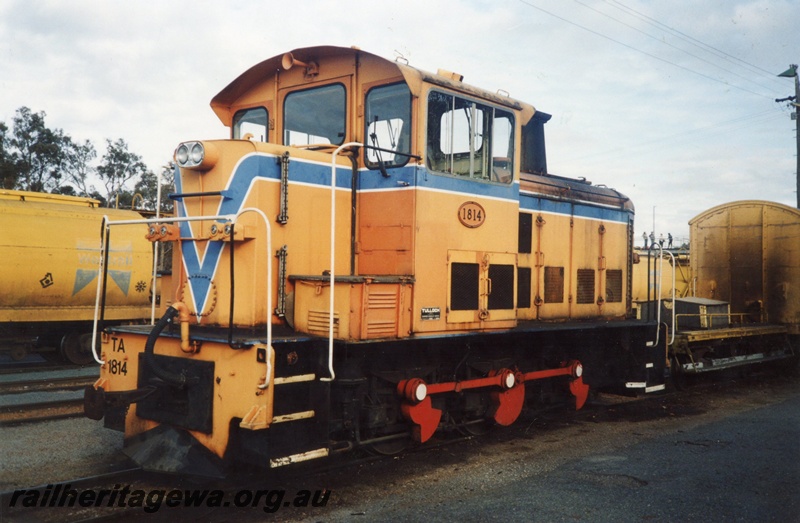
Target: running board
x=734, y=361
x=283, y=418
x=297, y=458
x=643, y=386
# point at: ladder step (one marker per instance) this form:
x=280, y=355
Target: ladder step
x=296, y=458
x=306, y=414
x=300, y=378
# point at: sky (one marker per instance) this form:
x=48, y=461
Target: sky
x=669, y=102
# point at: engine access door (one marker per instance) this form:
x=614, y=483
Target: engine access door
x=481, y=287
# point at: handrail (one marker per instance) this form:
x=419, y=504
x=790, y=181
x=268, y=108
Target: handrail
x=333, y=255
x=269, y=287
x=155, y=257
x=106, y=225
x=230, y=218
x=674, y=267
x=658, y=297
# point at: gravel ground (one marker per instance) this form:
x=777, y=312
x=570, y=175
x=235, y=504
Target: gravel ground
x=450, y=478
x=554, y=459
x=49, y=452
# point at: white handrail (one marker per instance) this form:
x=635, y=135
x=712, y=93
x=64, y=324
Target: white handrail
x=106, y=224
x=674, y=267
x=658, y=297
x=155, y=256
x=103, y=230
x=333, y=254
x=658, y=294
x=269, y=288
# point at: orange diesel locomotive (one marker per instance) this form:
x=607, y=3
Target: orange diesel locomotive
x=376, y=253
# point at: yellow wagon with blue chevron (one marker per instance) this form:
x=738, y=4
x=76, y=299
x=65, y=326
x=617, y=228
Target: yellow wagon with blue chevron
x=375, y=255
x=49, y=258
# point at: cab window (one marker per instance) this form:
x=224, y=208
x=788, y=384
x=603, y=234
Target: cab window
x=315, y=116
x=388, y=125
x=251, y=124
x=469, y=139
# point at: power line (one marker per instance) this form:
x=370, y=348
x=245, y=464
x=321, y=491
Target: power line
x=596, y=33
x=664, y=42
x=691, y=40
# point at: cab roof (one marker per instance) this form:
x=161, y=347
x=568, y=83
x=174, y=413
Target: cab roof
x=415, y=78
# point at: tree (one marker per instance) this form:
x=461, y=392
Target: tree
x=8, y=175
x=78, y=158
x=147, y=187
x=34, y=157
x=118, y=167
x=37, y=152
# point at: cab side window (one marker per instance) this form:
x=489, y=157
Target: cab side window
x=251, y=124
x=469, y=139
x=388, y=125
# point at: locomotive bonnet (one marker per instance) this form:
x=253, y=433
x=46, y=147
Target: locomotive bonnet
x=377, y=253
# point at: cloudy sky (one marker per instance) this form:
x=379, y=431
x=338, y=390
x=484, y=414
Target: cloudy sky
x=670, y=102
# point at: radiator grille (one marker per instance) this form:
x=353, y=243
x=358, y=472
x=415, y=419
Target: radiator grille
x=554, y=284
x=381, y=324
x=585, y=286
x=502, y=295
x=614, y=285
x=464, y=282
x=381, y=300
x=318, y=323
x=381, y=329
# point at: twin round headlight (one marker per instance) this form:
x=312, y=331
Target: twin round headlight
x=196, y=155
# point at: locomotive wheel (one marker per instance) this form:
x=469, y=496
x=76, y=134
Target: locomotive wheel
x=18, y=353
x=76, y=348
x=473, y=422
x=389, y=447
x=478, y=427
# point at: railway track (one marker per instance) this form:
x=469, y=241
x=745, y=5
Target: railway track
x=23, y=368
x=45, y=384
x=41, y=411
x=43, y=395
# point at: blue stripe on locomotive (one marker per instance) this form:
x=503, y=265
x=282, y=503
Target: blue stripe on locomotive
x=252, y=167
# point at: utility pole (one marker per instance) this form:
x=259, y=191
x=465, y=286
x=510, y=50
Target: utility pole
x=794, y=101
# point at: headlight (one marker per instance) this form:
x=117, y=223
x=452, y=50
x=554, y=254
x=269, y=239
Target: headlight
x=198, y=156
x=197, y=153
x=182, y=155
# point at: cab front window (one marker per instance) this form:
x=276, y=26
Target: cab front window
x=315, y=116
x=388, y=125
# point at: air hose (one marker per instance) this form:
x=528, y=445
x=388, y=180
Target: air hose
x=179, y=380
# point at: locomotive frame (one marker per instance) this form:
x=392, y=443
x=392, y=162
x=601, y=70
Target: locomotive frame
x=457, y=280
